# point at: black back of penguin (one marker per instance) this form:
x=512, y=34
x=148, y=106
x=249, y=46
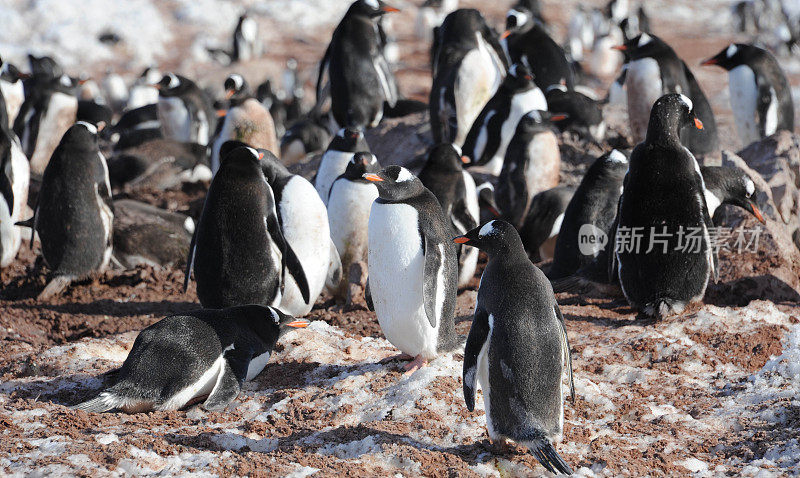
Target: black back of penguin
x=531, y=45
x=443, y=176
x=543, y=221
x=584, y=115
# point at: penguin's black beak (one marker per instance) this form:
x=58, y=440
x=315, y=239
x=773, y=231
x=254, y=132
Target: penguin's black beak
x=372, y=177
x=751, y=206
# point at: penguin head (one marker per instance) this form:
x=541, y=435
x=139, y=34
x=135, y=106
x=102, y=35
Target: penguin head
x=360, y=164
x=150, y=76
x=731, y=185
x=494, y=237
x=239, y=153
x=732, y=56
x=447, y=157
x=485, y=192
x=644, y=45
x=170, y=85
x=44, y=68
x=82, y=135
x=371, y=8
x=348, y=140
x=517, y=19
x=269, y=323
x=671, y=113
x=236, y=88
x=10, y=73
x=395, y=183
x=284, y=322
x=519, y=77
x=614, y=159
x=272, y=167
x=538, y=121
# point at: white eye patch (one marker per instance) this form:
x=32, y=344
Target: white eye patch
x=521, y=18
x=92, y=128
x=457, y=148
x=644, y=39
x=731, y=50
x=487, y=229
x=617, y=157
x=275, y=315
x=237, y=80
x=749, y=186
x=372, y=3
x=404, y=175
x=253, y=152
x=535, y=116
x=685, y=100
x=173, y=81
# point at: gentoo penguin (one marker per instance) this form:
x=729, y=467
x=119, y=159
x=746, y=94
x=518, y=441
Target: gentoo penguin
x=730, y=185
x=11, y=90
x=761, y=97
x=445, y=177
x=275, y=103
x=531, y=165
x=589, y=215
x=305, y=137
x=654, y=69
x=239, y=254
x=527, y=42
x=584, y=116
x=136, y=126
x=360, y=80
x=143, y=92
x=349, y=204
x=468, y=67
x=236, y=90
x=159, y=164
x=486, y=202
x=74, y=213
x=115, y=91
x=304, y=223
x=542, y=225
x=14, y=180
x=491, y=132
x=413, y=268
x=334, y=162
x=517, y=348
x=185, y=112
x=145, y=234
x=246, y=44
x=203, y=355
x=430, y=15
x=663, y=202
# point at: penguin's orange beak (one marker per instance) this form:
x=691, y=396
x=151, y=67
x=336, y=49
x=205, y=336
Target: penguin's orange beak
x=101, y=125
x=461, y=239
x=260, y=156
x=298, y=323
x=156, y=86
x=757, y=213
x=465, y=160
x=698, y=124
x=559, y=117
x=505, y=34
x=710, y=61
x=373, y=177
x=389, y=9
x=229, y=93
x=620, y=47
x=221, y=113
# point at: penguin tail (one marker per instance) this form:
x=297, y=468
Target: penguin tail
x=568, y=284
x=55, y=287
x=548, y=457
x=104, y=402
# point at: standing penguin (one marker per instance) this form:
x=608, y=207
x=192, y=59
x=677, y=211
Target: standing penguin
x=238, y=252
x=542, y=226
x=14, y=180
x=445, y=177
x=517, y=348
x=11, y=90
x=246, y=44
x=413, y=268
x=349, y=204
x=492, y=131
x=143, y=93
x=335, y=159
x=761, y=98
x=526, y=41
x=663, y=199
x=531, y=165
x=360, y=78
x=204, y=354
x=74, y=214
x=468, y=67
x=185, y=112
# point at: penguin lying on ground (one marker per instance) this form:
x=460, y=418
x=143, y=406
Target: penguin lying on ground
x=145, y=234
x=413, y=268
x=305, y=137
x=14, y=181
x=143, y=93
x=542, y=225
x=204, y=355
x=160, y=163
x=517, y=348
x=347, y=142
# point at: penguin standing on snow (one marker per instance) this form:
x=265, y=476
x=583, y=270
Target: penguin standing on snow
x=185, y=112
x=334, y=161
x=730, y=185
x=531, y=165
x=204, y=355
x=246, y=44
x=527, y=42
x=468, y=67
x=663, y=199
x=517, y=348
x=12, y=91
x=413, y=268
x=492, y=131
x=74, y=212
x=360, y=80
x=349, y=204
x=445, y=177
x=239, y=253
x=14, y=180
x=761, y=97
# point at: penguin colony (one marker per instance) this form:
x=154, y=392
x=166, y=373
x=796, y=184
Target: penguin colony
x=268, y=242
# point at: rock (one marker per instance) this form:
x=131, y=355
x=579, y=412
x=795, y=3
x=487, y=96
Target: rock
x=403, y=141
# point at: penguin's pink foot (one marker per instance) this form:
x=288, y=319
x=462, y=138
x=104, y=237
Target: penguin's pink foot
x=394, y=358
x=415, y=365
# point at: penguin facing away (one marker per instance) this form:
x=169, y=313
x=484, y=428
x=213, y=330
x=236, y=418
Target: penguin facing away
x=14, y=181
x=239, y=253
x=517, y=348
x=205, y=355
x=413, y=268
x=12, y=90
x=335, y=159
x=761, y=97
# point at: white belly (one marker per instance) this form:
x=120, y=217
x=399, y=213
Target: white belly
x=744, y=96
x=142, y=95
x=477, y=80
x=203, y=386
x=644, y=86
x=469, y=255
x=202, y=128
x=331, y=167
x=224, y=135
x=106, y=215
x=483, y=380
x=175, y=120
x=396, y=271
x=57, y=120
x=20, y=180
x=305, y=227
x=348, y=217
x=14, y=94
x=543, y=167
x=10, y=236
x=256, y=365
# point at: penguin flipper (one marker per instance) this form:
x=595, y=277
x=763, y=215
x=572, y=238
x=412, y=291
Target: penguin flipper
x=368, y=297
x=190, y=261
x=227, y=387
x=478, y=334
x=566, y=351
x=103, y=402
x=55, y=287
x=323, y=68
x=434, y=261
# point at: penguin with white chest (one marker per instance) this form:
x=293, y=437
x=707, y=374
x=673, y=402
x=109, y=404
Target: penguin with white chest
x=413, y=268
x=14, y=181
x=185, y=112
x=761, y=97
x=349, y=205
x=445, y=177
x=203, y=355
x=246, y=44
x=334, y=161
x=74, y=212
x=494, y=127
x=12, y=91
x=239, y=253
x=468, y=67
x=517, y=348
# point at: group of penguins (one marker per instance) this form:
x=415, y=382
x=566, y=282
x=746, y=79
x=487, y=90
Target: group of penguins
x=268, y=242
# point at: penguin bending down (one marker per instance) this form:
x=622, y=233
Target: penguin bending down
x=239, y=253
x=761, y=97
x=143, y=92
x=205, y=355
x=305, y=137
x=74, y=213
x=584, y=115
x=492, y=131
x=445, y=177
x=334, y=161
x=413, y=268
x=14, y=181
x=517, y=348
x=730, y=185
x=185, y=112
x=663, y=202
x=531, y=165
x=468, y=67
x=349, y=205
x=542, y=225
